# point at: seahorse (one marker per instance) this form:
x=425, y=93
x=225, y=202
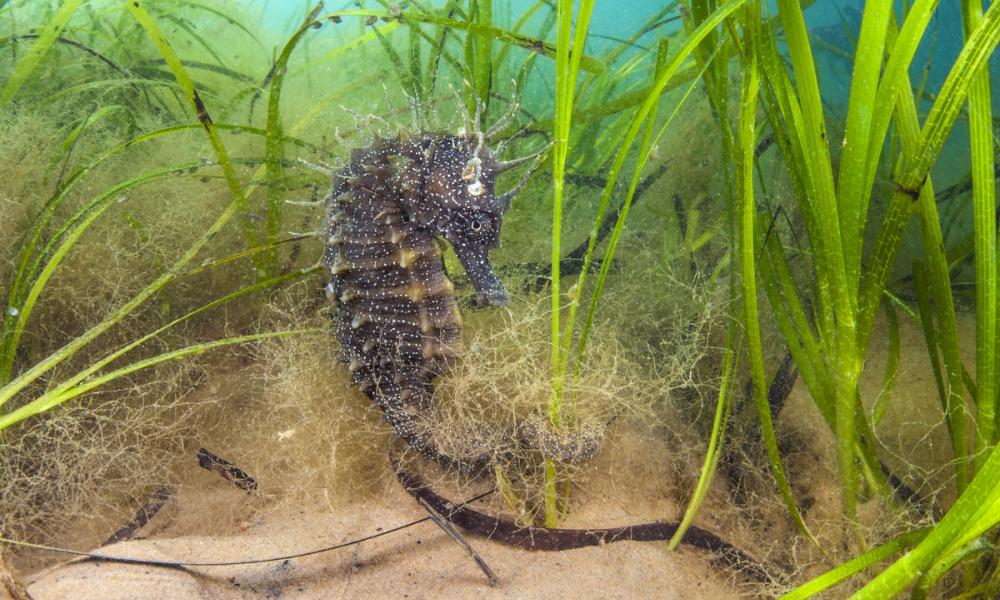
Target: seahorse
x=397, y=319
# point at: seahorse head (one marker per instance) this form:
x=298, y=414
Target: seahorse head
x=459, y=189
x=450, y=188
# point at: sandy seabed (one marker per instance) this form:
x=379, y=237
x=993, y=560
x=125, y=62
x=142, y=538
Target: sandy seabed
x=208, y=519
x=418, y=562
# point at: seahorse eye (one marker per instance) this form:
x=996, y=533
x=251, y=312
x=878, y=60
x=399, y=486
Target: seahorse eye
x=476, y=225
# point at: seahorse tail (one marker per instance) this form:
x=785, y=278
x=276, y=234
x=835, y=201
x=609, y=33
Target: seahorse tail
x=580, y=445
x=401, y=408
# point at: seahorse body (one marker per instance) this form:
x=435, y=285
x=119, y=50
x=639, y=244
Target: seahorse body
x=398, y=323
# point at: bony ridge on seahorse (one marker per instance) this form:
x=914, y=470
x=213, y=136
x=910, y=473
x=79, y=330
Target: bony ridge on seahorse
x=397, y=319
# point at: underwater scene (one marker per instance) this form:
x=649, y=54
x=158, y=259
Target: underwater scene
x=499, y=299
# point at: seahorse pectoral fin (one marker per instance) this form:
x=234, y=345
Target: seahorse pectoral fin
x=476, y=260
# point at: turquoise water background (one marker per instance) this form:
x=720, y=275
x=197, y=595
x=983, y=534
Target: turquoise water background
x=835, y=22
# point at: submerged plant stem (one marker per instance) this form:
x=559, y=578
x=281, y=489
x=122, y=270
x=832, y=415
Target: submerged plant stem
x=48, y=36
x=201, y=113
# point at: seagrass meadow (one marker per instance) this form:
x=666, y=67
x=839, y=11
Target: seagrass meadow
x=503, y=299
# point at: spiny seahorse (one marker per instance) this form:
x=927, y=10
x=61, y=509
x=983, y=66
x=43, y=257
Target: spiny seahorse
x=397, y=320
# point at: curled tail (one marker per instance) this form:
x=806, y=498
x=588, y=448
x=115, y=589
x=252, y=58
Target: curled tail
x=404, y=399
